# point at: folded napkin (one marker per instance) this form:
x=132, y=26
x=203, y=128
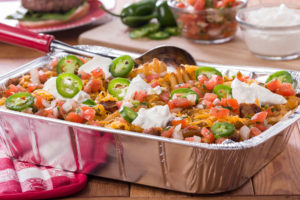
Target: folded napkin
x=20, y=180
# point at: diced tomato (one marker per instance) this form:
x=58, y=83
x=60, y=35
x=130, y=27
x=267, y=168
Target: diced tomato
x=179, y=102
x=39, y=102
x=286, y=89
x=140, y=95
x=11, y=89
x=180, y=5
x=83, y=60
x=74, y=117
x=232, y=103
x=119, y=104
x=31, y=87
x=259, y=117
x=97, y=72
x=150, y=77
x=210, y=97
x=165, y=96
x=273, y=85
x=168, y=133
x=207, y=104
x=190, y=139
x=208, y=137
x=42, y=76
x=202, y=78
x=89, y=114
x=191, y=2
x=198, y=91
x=213, y=82
x=183, y=123
x=255, y=131
x=260, y=126
x=270, y=110
x=242, y=78
x=154, y=84
x=93, y=86
x=54, y=62
x=84, y=75
x=219, y=112
x=199, y=5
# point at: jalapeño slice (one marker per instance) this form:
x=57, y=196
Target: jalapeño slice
x=128, y=114
x=19, y=101
x=184, y=92
x=68, y=85
x=160, y=35
x=144, y=30
x=222, y=91
x=68, y=64
x=89, y=102
x=282, y=76
x=222, y=129
x=121, y=66
x=173, y=30
x=208, y=72
x=118, y=87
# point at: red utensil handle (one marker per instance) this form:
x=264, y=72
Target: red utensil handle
x=21, y=37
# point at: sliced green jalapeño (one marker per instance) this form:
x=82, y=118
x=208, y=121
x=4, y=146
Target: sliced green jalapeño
x=128, y=114
x=184, y=92
x=121, y=66
x=68, y=64
x=144, y=30
x=222, y=91
x=208, y=72
x=68, y=85
x=222, y=129
x=160, y=35
x=282, y=76
x=89, y=102
x=118, y=87
x=19, y=101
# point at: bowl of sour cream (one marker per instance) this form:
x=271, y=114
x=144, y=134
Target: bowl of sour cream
x=271, y=31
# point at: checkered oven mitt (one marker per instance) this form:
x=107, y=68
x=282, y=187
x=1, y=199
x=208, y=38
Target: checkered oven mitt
x=20, y=180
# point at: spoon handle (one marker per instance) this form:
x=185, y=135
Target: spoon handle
x=25, y=38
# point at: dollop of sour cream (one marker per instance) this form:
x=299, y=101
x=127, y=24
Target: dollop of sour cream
x=50, y=86
x=97, y=62
x=245, y=93
x=273, y=43
x=157, y=116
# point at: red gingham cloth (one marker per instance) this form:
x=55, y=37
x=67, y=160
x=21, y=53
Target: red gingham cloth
x=20, y=180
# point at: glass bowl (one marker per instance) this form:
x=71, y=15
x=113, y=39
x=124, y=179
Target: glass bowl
x=209, y=26
x=270, y=42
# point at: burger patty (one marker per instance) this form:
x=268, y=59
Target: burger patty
x=50, y=5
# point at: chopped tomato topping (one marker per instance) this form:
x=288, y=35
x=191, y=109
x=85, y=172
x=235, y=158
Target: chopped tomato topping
x=150, y=77
x=83, y=60
x=84, y=75
x=54, y=62
x=89, y=114
x=191, y=2
x=202, y=78
x=260, y=126
x=97, y=72
x=31, y=87
x=255, y=131
x=273, y=85
x=208, y=137
x=213, y=82
x=154, y=84
x=119, y=104
x=207, y=104
x=168, y=133
x=199, y=5
x=140, y=95
x=93, y=86
x=180, y=102
x=165, y=96
x=259, y=117
x=210, y=97
x=183, y=123
x=286, y=89
x=11, y=89
x=74, y=117
x=180, y=5
x=42, y=76
x=219, y=112
x=232, y=103
x=198, y=91
x=270, y=110
x=39, y=102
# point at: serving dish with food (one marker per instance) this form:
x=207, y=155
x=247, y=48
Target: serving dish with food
x=126, y=142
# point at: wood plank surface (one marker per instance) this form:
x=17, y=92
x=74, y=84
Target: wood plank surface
x=280, y=179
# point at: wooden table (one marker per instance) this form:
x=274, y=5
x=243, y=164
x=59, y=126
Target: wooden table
x=279, y=179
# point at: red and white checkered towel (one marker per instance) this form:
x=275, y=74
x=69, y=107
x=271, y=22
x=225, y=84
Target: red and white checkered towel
x=19, y=180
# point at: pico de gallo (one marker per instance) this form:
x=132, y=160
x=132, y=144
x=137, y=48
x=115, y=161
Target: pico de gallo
x=192, y=103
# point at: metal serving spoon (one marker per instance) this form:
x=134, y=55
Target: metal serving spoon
x=46, y=43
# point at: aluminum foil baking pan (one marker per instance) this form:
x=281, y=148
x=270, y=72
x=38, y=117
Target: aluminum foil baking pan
x=140, y=158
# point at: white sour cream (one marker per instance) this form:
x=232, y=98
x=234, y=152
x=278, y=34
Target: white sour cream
x=157, y=116
x=50, y=86
x=245, y=93
x=273, y=43
x=97, y=62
